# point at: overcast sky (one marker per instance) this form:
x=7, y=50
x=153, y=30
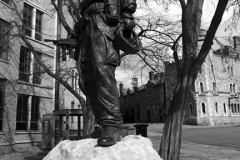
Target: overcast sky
x=124, y=74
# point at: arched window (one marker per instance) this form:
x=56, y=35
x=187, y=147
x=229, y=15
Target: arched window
x=203, y=109
x=231, y=71
x=238, y=109
x=191, y=109
x=235, y=108
x=201, y=87
x=234, y=91
x=216, y=108
x=232, y=108
x=231, y=88
x=214, y=87
x=224, y=108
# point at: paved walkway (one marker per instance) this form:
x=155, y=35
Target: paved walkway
x=192, y=151
x=189, y=151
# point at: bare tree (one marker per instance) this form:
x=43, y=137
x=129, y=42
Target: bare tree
x=187, y=57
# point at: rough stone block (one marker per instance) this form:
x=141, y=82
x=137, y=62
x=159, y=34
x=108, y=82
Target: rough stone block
x=131, y=147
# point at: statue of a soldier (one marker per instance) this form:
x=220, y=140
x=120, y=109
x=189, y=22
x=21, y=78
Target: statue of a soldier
x=97, y=55
x=105, y=28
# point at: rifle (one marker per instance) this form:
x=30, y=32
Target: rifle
x=65, y=44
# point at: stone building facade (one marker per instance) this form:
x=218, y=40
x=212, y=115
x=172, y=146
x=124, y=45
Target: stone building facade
x=26, y=91
x=146, y=103
x=215, y=100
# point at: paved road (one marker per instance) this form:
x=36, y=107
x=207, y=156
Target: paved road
x=226, y=136
x=223, y=136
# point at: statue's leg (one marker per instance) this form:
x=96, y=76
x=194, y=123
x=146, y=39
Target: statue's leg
x=104, y=57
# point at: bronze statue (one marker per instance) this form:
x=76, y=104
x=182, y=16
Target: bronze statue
x=106, y=27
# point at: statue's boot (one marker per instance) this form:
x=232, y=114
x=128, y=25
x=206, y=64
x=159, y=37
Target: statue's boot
x=110, y=135
x=97, y=133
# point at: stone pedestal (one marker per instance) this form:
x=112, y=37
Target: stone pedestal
x=131, y=147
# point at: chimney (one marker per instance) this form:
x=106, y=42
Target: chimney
x=236, y=44
x=135, y=82
x=202, y=33
x=121, y=88
x=151, y=75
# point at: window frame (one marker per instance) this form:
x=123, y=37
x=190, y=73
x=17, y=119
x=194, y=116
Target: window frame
x=224, y=109
x=201, y=88
x=37, y=70
x=216, y=109
x=203, y=108
x=214, y=87
x=34, y=126
x=24, y=75
x=27, y=19
x=2, y=94
x=21, y=119
x=238, y=108
x=38, y=25
x=5, y=28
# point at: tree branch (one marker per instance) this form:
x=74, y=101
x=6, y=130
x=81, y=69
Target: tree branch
x=75, y=9
x=61, y=16
x=175, y=54
x=216, y=20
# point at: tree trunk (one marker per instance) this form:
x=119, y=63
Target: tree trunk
x=172, y=134
x=171, y=139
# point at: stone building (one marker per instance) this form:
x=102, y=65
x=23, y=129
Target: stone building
x=215, y=99
x=26, y=91
x=144, y=104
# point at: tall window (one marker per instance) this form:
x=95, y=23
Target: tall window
x=234, y=89
x=2, y=89
x=214, y=87
x=238, y=108
x=203, y=109
x=32, y=19
x=232, y=108
x=27, y=19
x=37, y=70
x=22, y=112
x=235, y=108
x=224, y=108
x=231, y=88
x=216, y=108
x=38, y=28
x=201, y=87
x=24, y=65
x=232, y=71
x=34, y=113
x=229, y=72
x=4, y=39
